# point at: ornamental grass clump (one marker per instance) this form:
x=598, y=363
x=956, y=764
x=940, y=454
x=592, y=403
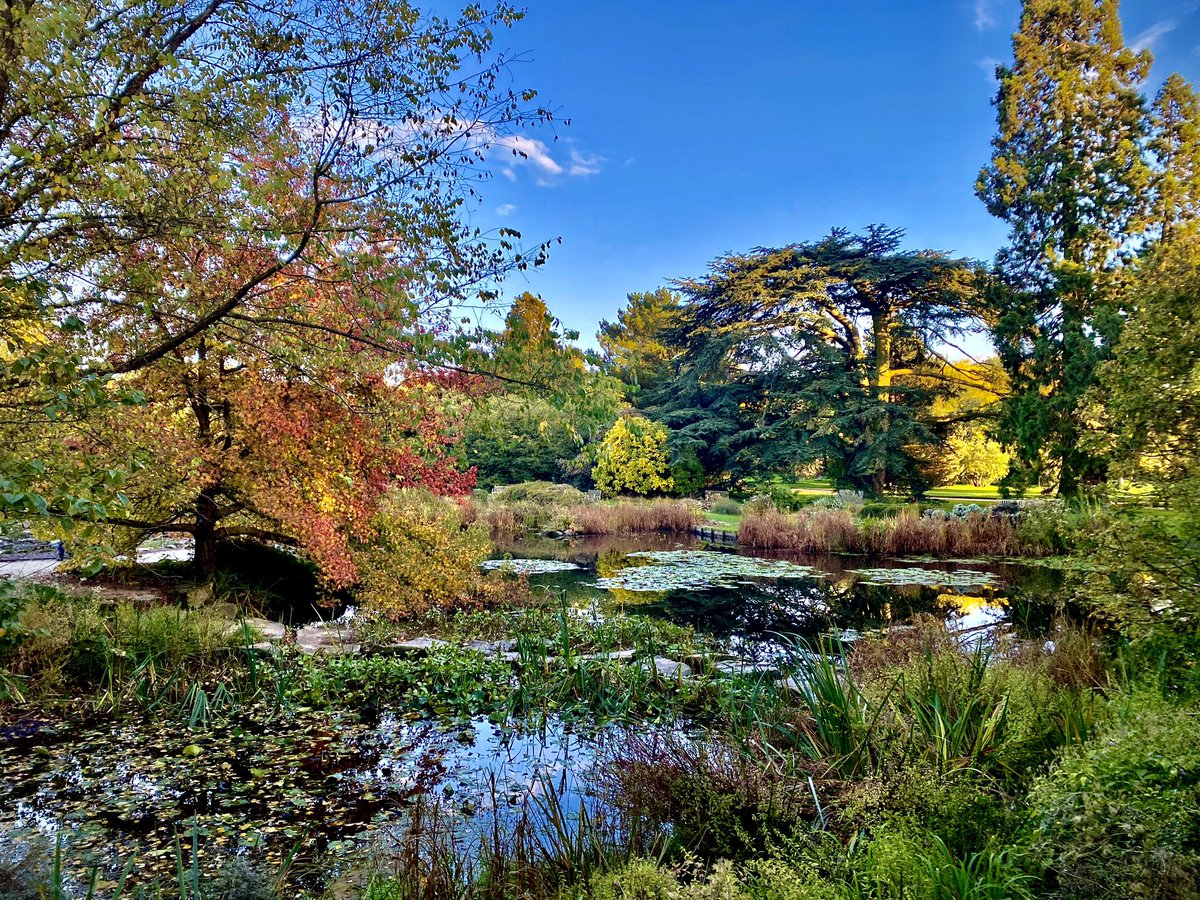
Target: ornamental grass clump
x=634, y=516
x=829, y=529
x=811, y=530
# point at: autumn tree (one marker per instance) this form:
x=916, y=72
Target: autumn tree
x=1069, y=176
x=288, y=420
x=172, y=169
x=802, y=353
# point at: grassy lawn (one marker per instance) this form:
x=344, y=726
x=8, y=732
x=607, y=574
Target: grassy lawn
x=730, y=521
x=970, y=492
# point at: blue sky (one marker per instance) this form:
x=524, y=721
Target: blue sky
x=701, y=127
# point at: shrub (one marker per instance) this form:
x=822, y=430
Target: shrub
x=542, y=493
x=632, y=458
x=714, y=800
x=687, y=474
x=1120, y=815
x=422, y=558
x=532, y=506
x=727, y=507
x=644, y=879
x=843, y=499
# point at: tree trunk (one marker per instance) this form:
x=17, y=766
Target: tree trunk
x=205, y=555
x=881, y=378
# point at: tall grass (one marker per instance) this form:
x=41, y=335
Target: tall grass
x=907, y=533
x=633, y=516
x=956, y=721
x=839, y=727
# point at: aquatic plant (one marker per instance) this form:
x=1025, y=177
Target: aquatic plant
x=839, y=728
x=668, y=570
x=529, y=566
x=917, y=576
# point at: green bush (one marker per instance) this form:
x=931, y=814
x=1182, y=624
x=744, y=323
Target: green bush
x=542, y=493
x=1120, y=815
x=644, y=879
x=727, y=507
x=687, y=474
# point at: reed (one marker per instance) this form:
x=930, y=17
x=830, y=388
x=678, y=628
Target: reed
x=634, y=516
x=905, y=534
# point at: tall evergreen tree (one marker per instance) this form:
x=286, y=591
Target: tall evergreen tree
x=794, y=354
x=1175, y=119
x=634, y=345
x=1069, y=176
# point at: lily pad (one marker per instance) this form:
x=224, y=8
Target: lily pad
x=919, y=577
x=530, y=566
x=698, y=570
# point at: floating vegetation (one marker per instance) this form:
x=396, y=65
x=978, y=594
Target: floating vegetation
x=919, y=577
x=698, y=570
x=530, y=566
x=262, y=789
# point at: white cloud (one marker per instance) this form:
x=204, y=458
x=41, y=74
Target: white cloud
x=988, y=64
x=985, y=13
x=506, y=209
x=548, y=170
x=531, y=150
x=1151, y=36
x=584, y=164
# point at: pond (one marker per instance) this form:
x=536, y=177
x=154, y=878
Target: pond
x=329, y=783
x=752, y=601
x=265, y=787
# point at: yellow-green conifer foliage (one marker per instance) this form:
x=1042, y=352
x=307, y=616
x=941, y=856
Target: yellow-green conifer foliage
x=633, y=458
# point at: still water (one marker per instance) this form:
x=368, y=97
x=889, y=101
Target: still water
x=325, y=784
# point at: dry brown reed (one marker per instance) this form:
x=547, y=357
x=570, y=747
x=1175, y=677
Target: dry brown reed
x=632, y=516
x=905, y=534
x=814, y=530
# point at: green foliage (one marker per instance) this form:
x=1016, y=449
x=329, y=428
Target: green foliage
x=1146, y=563
x=1120, y=815
x=114, y=654
x=778, y=367
x=636, y=347
x=957, y=725
x=974, y=458
x=509, y=439
x=446, y=683
x=841, y=723
x=644, y=879
x=687, y=473
x=534, y=357
x=13, y=598
x=422, y=557
x=633, y=458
